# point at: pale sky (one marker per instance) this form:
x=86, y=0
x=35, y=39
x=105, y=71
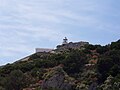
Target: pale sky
x=29, y=24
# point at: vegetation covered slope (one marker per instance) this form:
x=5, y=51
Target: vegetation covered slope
x=92, y=67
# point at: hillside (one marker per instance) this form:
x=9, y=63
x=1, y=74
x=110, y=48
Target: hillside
x=91, y=67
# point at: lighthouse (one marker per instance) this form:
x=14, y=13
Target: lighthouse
x=65, y=41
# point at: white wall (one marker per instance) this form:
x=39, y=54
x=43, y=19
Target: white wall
x=43, y=50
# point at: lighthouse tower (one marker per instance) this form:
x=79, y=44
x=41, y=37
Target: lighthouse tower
x=65, y=41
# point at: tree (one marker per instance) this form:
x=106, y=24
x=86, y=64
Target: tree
x=74, y=61
x=115, y=45
x=110, y=84
x=15, y=81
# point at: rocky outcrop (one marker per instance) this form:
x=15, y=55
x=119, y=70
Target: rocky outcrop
x=93, y=86
x=58, y=80
x=75, y=45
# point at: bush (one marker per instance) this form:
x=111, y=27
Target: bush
x=15, y=81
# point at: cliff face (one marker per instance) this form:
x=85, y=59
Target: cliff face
x=57, y=79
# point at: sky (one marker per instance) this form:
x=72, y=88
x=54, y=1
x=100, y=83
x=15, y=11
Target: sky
x=29, y=24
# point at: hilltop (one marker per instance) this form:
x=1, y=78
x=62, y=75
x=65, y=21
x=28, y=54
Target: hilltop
x=88, y=67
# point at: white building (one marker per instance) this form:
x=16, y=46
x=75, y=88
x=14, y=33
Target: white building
x=44, y=50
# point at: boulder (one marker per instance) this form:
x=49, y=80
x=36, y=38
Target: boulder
x=58, y=80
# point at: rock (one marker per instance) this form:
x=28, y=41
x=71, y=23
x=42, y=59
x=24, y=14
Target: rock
x=93, y=86
x=57, y=81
